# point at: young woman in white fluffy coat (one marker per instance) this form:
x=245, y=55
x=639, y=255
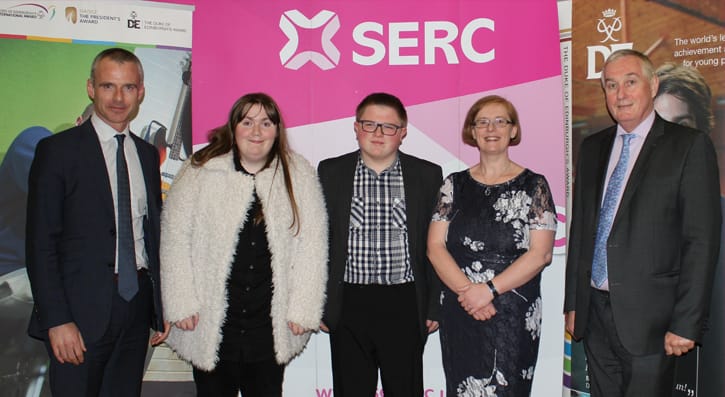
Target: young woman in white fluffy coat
x=207, y=208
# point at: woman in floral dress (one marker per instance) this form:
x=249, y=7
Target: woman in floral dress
x=490, y=237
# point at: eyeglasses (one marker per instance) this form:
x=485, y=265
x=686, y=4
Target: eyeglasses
x=498, y=122
x=372, y=126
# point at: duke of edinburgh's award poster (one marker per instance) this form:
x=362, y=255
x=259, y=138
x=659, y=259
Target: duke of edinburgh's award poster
x=686, y=42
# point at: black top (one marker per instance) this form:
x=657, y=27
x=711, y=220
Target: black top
x=247, y=330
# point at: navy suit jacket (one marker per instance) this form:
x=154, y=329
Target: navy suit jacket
x=71, y=232
x=664, y=242
x=421, y=181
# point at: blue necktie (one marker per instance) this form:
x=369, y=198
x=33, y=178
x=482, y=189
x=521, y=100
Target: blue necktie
x=606, y=215
x=127, y=274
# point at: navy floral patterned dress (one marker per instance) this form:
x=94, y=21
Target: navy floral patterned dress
x=489, y=228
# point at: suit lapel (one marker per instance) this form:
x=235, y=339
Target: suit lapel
x=94, y=163
x=410, y=183
x=640, y=165
x=346, y=176
x=605, y=150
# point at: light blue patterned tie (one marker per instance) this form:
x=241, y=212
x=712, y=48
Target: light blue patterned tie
x=606, y=215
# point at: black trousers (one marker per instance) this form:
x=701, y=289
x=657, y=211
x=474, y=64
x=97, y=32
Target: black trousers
x=228, y=378
x=613, y=370
x=113, y=366
x=378, y=329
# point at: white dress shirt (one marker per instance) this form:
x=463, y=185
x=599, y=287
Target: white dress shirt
x=109, y=145
x=635, y=146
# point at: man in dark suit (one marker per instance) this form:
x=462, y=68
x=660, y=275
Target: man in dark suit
x=638, y=284
x=382, y=293
x=96, y=333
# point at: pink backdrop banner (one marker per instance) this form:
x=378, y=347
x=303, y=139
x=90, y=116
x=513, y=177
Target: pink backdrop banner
x=319, y=58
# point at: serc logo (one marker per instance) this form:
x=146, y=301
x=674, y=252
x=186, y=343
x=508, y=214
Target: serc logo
x=402, y=43
x=329, y=24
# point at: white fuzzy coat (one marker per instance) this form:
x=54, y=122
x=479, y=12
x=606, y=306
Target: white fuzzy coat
x=200, y=225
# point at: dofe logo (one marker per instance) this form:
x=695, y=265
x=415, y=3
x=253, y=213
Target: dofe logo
x=133, y=21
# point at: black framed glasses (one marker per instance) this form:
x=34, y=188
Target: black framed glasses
x=498, y=122
x=372, y=126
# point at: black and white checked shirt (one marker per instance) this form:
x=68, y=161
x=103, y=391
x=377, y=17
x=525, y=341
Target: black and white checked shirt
x=378, y=239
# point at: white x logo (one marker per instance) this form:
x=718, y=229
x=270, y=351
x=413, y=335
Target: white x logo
x=293, y=18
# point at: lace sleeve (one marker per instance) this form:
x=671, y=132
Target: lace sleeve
x=542, y=214
x=444, y=208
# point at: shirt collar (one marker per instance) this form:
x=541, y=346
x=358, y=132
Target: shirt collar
x=395, y=166
x=640, y=130
x=105, y=132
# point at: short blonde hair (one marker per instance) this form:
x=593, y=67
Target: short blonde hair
x=470, y=120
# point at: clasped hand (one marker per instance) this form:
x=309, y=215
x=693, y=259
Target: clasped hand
x=476, y=300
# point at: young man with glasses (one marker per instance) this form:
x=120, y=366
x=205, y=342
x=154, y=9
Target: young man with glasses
x=382, y=293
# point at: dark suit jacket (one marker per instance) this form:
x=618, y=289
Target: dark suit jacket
x=422, y=180
x=71, y=232
x=664, y=241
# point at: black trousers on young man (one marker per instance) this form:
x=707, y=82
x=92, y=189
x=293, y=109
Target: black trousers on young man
x=378, y=330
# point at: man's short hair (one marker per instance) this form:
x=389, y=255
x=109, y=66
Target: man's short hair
x=118, y=55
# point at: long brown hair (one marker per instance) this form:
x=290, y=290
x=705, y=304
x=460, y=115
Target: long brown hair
x=221, y=141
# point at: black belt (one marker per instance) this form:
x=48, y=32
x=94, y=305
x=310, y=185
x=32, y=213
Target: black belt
x=601, y=292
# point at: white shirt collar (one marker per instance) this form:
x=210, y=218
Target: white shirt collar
x=640, y=130
x=105, y=132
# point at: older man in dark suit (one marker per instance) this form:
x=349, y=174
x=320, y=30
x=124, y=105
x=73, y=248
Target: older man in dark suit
x=382, y=294
x=644, y=238
x=92, y=240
